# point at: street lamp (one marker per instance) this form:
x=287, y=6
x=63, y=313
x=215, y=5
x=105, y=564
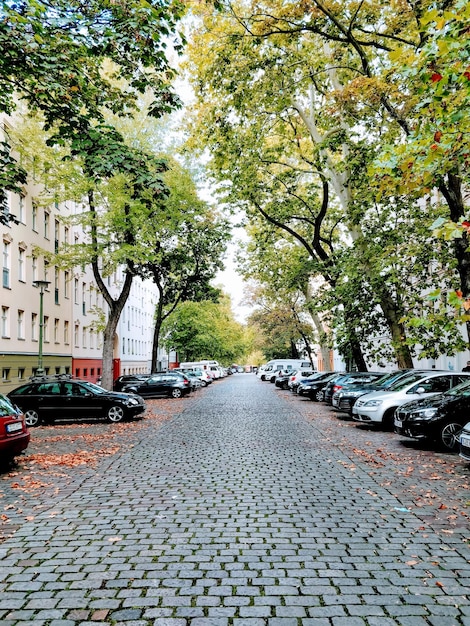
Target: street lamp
x=42, y=284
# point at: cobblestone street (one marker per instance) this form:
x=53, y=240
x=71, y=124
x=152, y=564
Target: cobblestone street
x=248, y=507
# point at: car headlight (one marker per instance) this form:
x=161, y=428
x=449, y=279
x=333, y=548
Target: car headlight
x=373, y=403
x=424, y=413
x=132, y=402
x=355, y=394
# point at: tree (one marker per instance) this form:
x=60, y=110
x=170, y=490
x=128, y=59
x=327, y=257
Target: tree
x=73, y=61
x=184, y=249
x=205, y=330
x=316, y=109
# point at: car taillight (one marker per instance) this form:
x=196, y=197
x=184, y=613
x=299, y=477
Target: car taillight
x=336, y=388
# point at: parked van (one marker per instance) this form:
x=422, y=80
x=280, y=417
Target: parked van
x=271, y=368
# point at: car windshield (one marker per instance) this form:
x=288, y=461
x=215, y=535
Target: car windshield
x=94, y=388
x=6, y=408
x=460, y=390
x=404, y=382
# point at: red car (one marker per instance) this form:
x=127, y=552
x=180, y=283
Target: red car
x=14, y=435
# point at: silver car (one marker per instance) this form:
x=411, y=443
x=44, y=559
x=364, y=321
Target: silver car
x=379, y=407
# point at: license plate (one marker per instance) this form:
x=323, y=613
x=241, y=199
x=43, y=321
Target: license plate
x=398, y=423
x=465, y=441
x=15, y=427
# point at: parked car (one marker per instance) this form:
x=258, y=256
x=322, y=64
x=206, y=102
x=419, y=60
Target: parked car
x=298, y=375
x=194, y=379
x=379, y=407
x=283, y=377
x=315, y=376
x=345, y=398
x=169, y=384
x=465, y=442
x=14, y=435
x=50, y=398
x=314, y=388
x=349, y=378
x=127, y=379
x=438, y=418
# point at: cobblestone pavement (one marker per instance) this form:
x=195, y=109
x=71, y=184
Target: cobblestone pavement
x=250, y=507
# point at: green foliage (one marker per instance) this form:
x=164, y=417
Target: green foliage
x=205, y=330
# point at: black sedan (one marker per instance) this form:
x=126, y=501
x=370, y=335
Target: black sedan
x=128, y=379
x=439, y=418
x=314, y=388
x=49, y=399
x=163, y=384
x=348, y=378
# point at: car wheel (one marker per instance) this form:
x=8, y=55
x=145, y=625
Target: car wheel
x=31, y=418
x=115, y=414
x=387, y=419
x=203, y=383
x=449, y=436
x=319, y=395
x=176, y=393
x=285, y=386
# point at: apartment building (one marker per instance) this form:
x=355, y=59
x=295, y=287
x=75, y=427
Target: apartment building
x=69, y=300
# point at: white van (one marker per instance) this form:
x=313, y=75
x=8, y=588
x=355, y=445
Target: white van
x=271, y=368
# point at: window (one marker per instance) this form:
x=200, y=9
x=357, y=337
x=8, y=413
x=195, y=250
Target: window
x=6, y=264
x=45, y=328
x=66, y=283
x=47, y=219
x=20, y=324
x=34, y=266
x=21, y=213
x=75, y=335
x=84, y=337
x=66, y=332
x=21, y=264
x=5, y=322
x=34, y=220
x=56, y=330
x=83, y=298
x=5, y=374
x=75, y=290
x=56, y=285
x=66, y=234
x=21, y=371
x=34, y=326
x=56, y=235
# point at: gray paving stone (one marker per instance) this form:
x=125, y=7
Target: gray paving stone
x=239, y=511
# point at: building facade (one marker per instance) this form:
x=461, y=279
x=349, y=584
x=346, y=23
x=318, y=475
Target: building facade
x=53, y=324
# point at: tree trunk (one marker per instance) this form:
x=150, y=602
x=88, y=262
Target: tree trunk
x=156, y=332
x=452, y=192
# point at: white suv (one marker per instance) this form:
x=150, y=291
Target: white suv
x=379, y=406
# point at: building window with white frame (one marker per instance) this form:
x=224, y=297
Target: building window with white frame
x=34, y=268
x=66, y=332
x=5, y=322
x=21, y=265
x=66, y=284
x=6, y=264
x=21, y=211
x=47, y=221
x=45, y=329
x=21, y=324
x=84, y=332
x=56, y=285
x=34, y=326
x=75, y=290
x=56, y=330
x=76, y=335
x=34, y=217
